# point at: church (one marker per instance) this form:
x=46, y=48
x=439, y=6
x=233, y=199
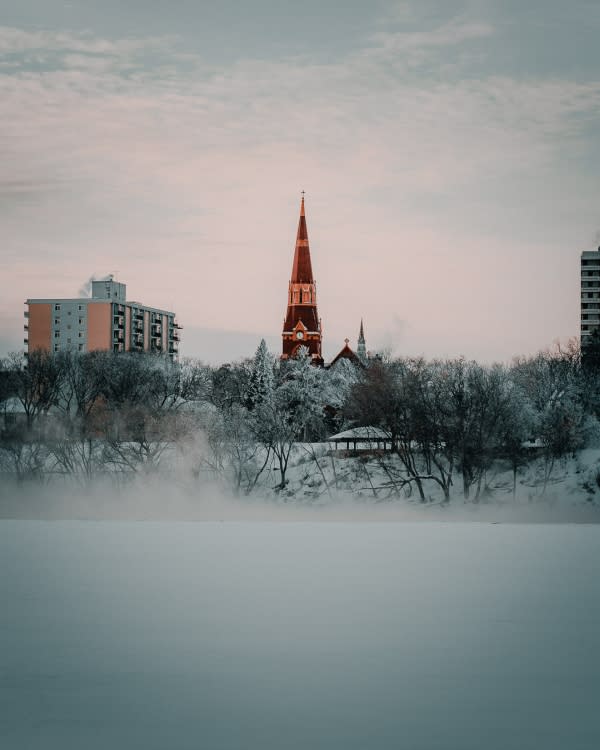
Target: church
x=302, y=325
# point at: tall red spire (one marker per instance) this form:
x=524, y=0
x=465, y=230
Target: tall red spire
x=302, y=326
x=302, y=267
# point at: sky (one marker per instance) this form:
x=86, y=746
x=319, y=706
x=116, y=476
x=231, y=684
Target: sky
x=449, y=151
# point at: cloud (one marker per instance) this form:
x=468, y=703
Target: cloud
x=14, y=40
x=448, y=34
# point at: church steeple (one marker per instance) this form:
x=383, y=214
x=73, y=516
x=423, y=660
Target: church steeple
x=302, y=326
x=361, y=347
x=302, y=267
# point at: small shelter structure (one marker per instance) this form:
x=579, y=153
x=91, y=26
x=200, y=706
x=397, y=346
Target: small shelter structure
x=361, y=439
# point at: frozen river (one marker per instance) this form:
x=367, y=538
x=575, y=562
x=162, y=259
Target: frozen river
x=299, y=636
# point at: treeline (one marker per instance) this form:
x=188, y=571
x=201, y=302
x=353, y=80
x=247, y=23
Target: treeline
x=79, y=415
x=450, y=418
x=448, y=421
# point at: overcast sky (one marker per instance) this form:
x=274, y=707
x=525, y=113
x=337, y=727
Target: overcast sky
x=450, y=153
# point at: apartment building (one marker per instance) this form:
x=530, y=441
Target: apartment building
x=590, y=297
x=105, y=321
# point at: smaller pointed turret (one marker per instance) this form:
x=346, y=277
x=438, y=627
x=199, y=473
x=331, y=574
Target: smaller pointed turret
x=361, y=348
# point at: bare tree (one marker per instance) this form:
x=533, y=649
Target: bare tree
x=35, y=380
x=234, y=453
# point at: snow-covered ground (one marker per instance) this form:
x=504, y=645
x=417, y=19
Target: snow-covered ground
x=316, y=471
x=299, y=635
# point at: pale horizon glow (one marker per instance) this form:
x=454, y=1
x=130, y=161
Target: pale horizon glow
x=449, y=157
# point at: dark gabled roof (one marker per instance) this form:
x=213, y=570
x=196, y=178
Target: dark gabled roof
x=346, y=353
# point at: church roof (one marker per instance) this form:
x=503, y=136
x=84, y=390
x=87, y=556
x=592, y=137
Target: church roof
x=302, y=267
x=346, y=353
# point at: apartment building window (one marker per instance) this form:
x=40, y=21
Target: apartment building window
x=56, y=347
x=80, y=307
x=56, y=321
x=81, y=321
x=80, y=334
x=57, y=307
x=56, y=334
x=80, y=347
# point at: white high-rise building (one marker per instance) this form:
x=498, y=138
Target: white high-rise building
x=590, y=296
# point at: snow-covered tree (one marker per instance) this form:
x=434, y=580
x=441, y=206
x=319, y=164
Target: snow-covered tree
x=261, y=384
x=338, y=382
x=301, y=387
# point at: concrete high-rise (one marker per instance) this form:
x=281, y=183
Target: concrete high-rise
x=106, y=321
x=590, y=298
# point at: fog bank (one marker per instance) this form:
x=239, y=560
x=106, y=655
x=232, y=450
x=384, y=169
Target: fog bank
x=152, y=499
